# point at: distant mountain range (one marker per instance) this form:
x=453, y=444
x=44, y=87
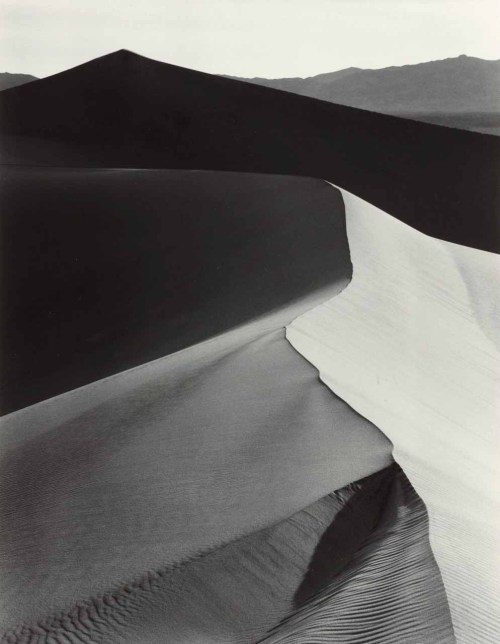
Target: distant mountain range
x=12, y=80
x=461, y=92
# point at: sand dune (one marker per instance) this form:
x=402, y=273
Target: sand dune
x=232, y=594
x=390, y=591
x=409, y=344
x=156, y=464
x=124, y=110
x=365, y=542
x=198, y=469
x=109, y=269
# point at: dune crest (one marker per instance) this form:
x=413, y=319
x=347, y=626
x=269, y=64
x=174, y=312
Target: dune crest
x=124, y=110
x=409, y=348
x=133, y=472
x=143, y=263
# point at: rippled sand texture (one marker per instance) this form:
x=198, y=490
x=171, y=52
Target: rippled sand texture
x=355, y=566
x=410, y=345
x=154, y=465
x=389, y=591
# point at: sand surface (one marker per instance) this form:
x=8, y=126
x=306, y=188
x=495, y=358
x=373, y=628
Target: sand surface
x=389, y=591
x=410, y=344
x=198, y=469
x=125, y=110
x=308, y=576
x=156, y=464
x=107, y=269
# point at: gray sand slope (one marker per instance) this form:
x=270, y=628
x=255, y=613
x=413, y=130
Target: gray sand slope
x=308, y=577
x=110, y=269
x=154, y=465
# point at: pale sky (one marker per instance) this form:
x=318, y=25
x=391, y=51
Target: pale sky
x=270, y=38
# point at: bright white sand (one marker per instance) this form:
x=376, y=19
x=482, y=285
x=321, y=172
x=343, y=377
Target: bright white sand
x=410, y=345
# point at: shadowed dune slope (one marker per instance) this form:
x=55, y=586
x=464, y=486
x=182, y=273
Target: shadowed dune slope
x=126, y=110
x=389, y=590
x=412, y=345
x=105, y=269
x=132, y=473
x=155, y=465
x=370, y=534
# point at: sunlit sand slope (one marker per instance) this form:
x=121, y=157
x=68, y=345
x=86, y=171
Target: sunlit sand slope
x=410, y=345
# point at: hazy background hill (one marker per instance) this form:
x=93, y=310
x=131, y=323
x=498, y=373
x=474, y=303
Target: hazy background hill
x=12, y=80
x=461, y=92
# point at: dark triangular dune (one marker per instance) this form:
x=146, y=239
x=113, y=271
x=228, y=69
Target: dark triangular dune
x=123, y=110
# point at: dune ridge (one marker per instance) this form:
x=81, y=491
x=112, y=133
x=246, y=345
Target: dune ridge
x=110, y=269
x=124, y=110
x=202, y=598
x=120, y=450
x=409, y=347
x=138, y=454
x=133, y=471
x=390, y=591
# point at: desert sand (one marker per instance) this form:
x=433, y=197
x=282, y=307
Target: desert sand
x=410, y=345
x=132, y=490
x=390, y=590
x=145, y=469
x=125, y=110
x=165, y=331
x=354, y=566
x=110, y=269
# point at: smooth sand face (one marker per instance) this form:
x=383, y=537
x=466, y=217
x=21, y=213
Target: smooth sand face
x=158, y=463
x=312, y=573
x=110, y=269
x=409, y=344
x=480, y=272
